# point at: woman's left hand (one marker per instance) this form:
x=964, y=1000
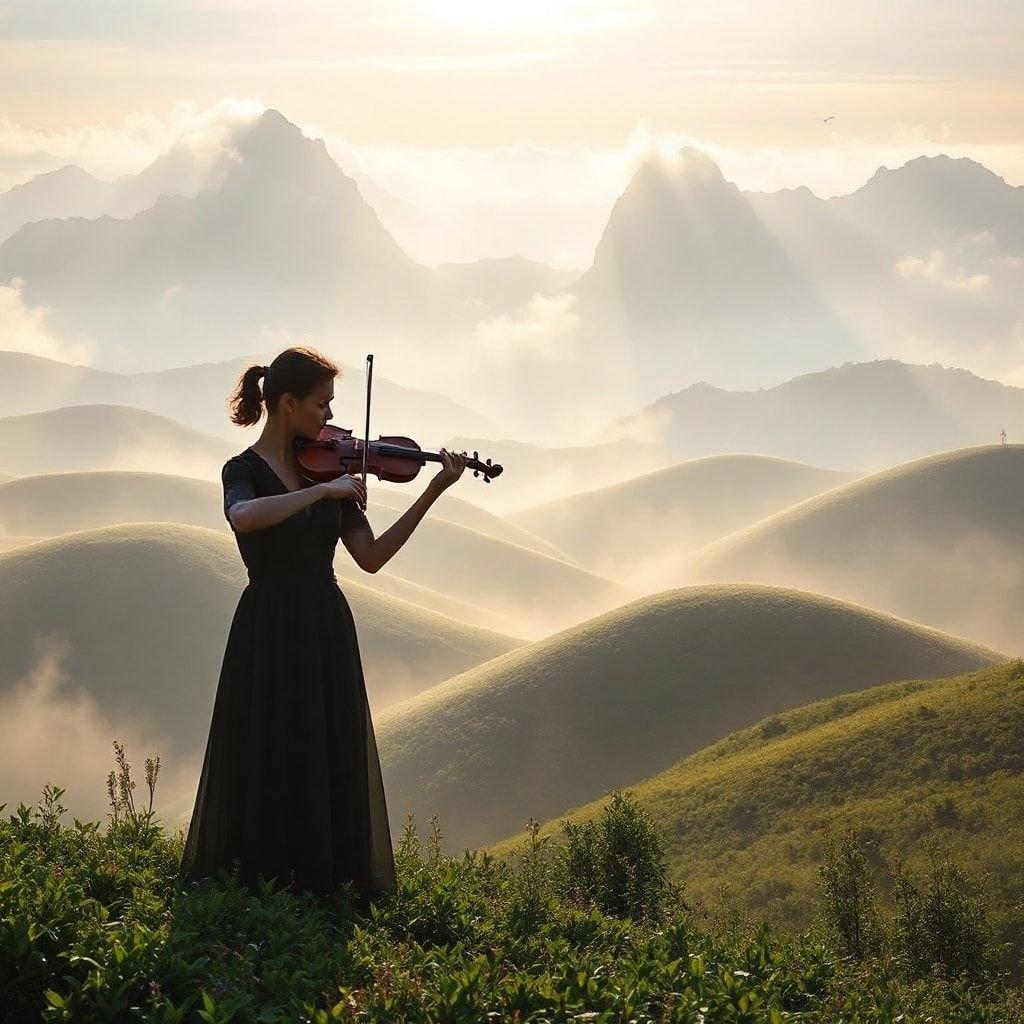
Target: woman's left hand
x=451, y=469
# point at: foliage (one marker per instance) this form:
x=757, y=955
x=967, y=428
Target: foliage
x=94, y=926
x=849, y=897
x=761, y=801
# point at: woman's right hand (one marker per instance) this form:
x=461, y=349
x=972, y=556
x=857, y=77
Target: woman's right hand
x=345, y=486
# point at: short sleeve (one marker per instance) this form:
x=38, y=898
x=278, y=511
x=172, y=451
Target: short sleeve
x=351, y=517
x=239, y=480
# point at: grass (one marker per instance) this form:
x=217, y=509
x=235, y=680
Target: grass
x=93, y=927
x=624, y=695
x=908, y=767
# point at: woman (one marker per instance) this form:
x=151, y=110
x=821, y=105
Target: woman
x=291, y=784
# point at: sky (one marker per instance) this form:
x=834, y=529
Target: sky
x=531, y=115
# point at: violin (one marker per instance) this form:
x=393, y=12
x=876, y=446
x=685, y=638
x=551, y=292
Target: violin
x=398, y=459
x=335, y=452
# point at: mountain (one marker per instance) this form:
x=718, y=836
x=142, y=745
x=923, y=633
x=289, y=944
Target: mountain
x=284, y=243
x=65, y=192
x=705, y=282
x=937, y=540
x=688, y=274
x=198, y=160
x=692, y=280
x=744, y=819
x=199, y=394
x=106, y=437
x=634, y=530
x=857, y=416
x=931, y=201
x=615, y=699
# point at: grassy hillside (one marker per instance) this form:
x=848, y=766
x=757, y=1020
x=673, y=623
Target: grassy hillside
x=54, y=503
x=388, y=583
x=617, y=698
x=136, y=618
x=902, y=765
x=554, y=472
x=97, y=930
x=633, y=530
x=939, y=540
x=48, y=504
x=107, y=437
x=492, y=582
x=537, y=592
x=463, y=512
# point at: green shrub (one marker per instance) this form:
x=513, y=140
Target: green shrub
x=944, y=922
x=96, y=927
x=849, y=897
x=616, y=863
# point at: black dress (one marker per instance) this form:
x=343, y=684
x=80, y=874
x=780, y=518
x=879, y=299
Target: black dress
x=291, y=784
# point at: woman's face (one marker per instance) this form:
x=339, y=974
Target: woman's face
x=308, y=415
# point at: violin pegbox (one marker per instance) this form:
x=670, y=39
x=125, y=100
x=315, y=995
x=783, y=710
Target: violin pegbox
x=489, y=469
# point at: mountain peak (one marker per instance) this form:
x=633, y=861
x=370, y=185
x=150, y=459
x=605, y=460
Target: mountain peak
x=939, y=171
x=272, y=129
x=687, y=168
x=273, y=155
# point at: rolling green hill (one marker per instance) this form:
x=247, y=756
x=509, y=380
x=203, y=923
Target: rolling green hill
x=140, y=615
x=633, y=530
x=938, y=540
x=903, y=765
x=538, y=593
x=463, y=512
x=472, y=576
x=49, y=504
x=617, y=698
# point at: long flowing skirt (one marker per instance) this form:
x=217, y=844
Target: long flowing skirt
x=291, y=785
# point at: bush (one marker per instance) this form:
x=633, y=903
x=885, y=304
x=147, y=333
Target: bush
x=849, y=897
x=617, y=863
x=944, y=923
x=95, y=926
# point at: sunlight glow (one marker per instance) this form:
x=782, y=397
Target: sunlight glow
x=523, y=16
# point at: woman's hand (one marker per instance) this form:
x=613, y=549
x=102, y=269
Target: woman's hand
x=451, y=469
x=345, y=486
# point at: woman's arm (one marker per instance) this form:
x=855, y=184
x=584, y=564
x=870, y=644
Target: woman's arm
x=259, y=513
x=372, y=553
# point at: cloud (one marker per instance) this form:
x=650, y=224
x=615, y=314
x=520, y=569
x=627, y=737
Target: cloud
x=107, y=151
x=548, y=332
x=935, y=270
x=56, y=734
x=25, y=329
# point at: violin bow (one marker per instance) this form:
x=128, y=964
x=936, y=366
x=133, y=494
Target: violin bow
x=366, y=441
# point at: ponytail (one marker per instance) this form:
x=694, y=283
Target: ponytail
x=246, y=402
x=296, y=371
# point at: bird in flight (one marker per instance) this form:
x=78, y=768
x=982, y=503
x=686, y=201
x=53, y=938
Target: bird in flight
x=827, y=119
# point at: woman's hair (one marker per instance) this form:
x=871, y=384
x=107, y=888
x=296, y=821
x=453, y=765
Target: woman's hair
x=297, y=371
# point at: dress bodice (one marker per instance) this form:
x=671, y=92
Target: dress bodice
x=301, y=546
